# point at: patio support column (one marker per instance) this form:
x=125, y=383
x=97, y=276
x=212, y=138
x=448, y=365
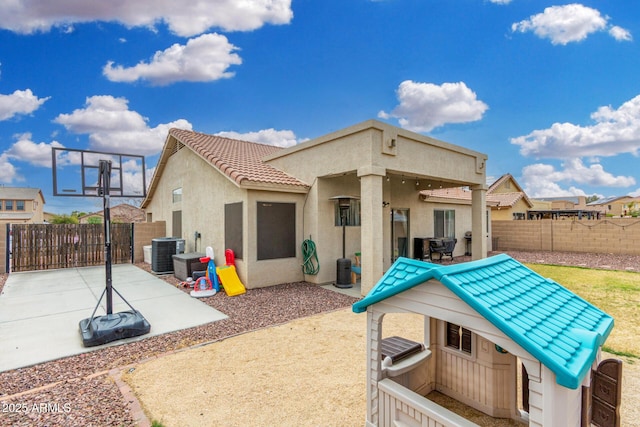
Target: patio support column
x=479, y=222
x=371, y=226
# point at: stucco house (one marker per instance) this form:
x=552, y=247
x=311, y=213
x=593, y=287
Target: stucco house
x=263, y=201
x=512, y=203
x=21, y=205
x=505, y=197
x=122, y=213
x=617, y=206
x=485, y=321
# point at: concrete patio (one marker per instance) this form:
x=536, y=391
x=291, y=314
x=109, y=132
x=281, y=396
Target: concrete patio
x=40, y=310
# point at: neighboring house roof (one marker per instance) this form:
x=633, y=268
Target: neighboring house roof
x=554, y=325
x=573, y=199
x=506, y=199
x=20, y=193
x=121, y=211
x=605, y=200
x=16, y=216
x=461, y=194
x=239, y=160
x=454, y=195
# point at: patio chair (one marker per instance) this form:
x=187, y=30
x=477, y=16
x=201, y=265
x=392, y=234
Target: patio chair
x=442, y=247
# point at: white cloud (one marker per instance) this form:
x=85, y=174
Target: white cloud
x=279, y=138
x=112, y=127
x=202, y=59
x=184, y=18
x=615, y=132
x=543, y=180
x=8, y=172
x=36, y=153
x=425, y=106
x=19, y=102
x=568, y=23
x=500, y=1
x=620, y=34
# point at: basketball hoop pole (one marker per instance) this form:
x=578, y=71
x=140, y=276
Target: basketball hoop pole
x=104, y=181
x=97, y=330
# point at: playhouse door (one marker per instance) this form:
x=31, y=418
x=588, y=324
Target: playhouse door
x=399, y=233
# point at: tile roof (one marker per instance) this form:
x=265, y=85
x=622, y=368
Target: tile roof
x=239, y=160
x=500, y=199
x=460, y=193
x=19, y=193
x=559, y=328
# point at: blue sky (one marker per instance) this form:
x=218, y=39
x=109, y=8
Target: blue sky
x=548, y=89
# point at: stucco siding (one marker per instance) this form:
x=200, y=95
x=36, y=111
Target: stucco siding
x=269, y=272
x=369, y=143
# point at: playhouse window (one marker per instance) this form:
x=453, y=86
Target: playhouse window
x=458, y=337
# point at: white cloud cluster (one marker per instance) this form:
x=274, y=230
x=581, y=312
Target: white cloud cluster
x=500, y=1
x=184, y=18
x=568, y=23
x=112, y=127
x=204, y=58
x=542, y=180
x=8, y=172
x=19, y=102
x=425, y=106
x=615, y=132
x=279, y=138
x=35, y=153
x=24, y=150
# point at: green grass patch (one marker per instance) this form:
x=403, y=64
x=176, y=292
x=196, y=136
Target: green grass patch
x=614, y=292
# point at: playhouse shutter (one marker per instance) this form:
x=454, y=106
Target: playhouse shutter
x=466, y=340
x=453, y=337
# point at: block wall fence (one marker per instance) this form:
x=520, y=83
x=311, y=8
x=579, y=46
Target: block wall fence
x=611, y=235
x=143, y=233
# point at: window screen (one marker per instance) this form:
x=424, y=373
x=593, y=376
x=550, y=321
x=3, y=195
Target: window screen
x=276, y=230
x=233, y=228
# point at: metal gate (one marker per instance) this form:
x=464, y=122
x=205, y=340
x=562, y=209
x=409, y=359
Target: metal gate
x=52, y=246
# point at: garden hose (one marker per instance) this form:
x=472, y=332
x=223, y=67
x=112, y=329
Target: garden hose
x=310, y=264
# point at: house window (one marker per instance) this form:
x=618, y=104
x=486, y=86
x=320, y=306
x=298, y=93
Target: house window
x=352, y=215
x=8, y=205
x=1, y=204
x=444, y=223
x=177, y=195
x=458, y=338
x=518, y=215
x=19, y=205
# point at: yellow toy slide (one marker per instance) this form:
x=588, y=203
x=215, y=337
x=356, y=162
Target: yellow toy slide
x=230, y=280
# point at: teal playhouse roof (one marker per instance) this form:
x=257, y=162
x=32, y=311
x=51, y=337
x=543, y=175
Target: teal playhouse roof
x=553, y=324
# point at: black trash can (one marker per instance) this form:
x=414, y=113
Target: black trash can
x=343, y=273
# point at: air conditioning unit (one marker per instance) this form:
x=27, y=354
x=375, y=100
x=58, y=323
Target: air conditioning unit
x=162, y=251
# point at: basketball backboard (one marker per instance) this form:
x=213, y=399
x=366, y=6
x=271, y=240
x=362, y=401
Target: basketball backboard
x=76, y=173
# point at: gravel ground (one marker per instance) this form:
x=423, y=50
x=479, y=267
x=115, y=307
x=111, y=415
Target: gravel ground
x=81, y=391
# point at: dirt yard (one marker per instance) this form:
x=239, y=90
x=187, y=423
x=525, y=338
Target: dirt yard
x=308, y=372
x=297, y=373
